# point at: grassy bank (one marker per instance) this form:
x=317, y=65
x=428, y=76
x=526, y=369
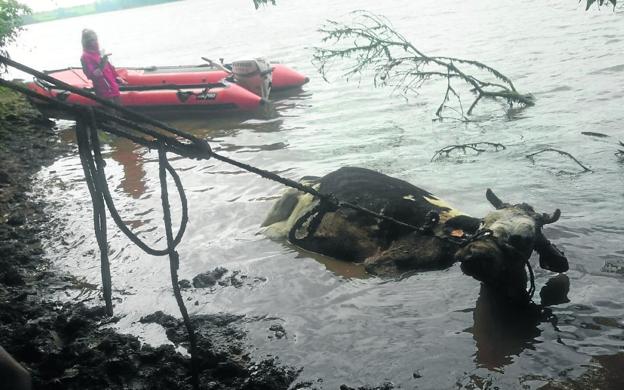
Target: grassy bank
x=8, y=101
x=14, y=110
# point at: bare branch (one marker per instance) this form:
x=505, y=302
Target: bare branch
x=620, y=152
x=369, y=42
x=258, y=3
x=561, y=152
x=477, y=147
x=599, y=2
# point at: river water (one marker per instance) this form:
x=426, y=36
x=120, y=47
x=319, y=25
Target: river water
x=435, y=329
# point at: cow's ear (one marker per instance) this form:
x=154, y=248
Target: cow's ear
x=550, y=257
x=550, y=218
x=494, y=200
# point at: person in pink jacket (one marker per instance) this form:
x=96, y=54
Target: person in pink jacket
x=97, y=68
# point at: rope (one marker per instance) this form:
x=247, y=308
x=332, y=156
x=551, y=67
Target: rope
x=174, y=262
x=165, y=139
x=93, y=165
x=92, y=178
x=531, y=279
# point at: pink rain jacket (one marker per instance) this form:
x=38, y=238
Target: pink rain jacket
x=105, y=85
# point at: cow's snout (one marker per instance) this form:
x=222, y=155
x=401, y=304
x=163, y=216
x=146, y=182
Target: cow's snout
x=485, y=261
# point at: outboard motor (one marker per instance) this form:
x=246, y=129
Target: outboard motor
x=254, y=75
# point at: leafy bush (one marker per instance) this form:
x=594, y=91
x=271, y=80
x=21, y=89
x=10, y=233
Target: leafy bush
x=11, y=13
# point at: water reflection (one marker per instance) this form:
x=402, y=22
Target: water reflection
x=130, y=157
x=228, y=147
x=555, y=291
x=346, y=269
x=128, y=154
x=502, y=331
x=343, y=268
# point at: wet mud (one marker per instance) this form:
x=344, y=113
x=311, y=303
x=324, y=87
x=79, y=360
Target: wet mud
x=68, y=345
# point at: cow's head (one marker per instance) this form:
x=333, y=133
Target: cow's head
x=498, y=252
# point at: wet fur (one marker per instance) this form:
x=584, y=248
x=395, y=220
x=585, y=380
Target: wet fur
x=354, y=236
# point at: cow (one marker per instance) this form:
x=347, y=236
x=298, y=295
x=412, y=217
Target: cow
x=416, y=230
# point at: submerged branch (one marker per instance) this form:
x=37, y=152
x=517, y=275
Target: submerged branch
x=620, y=152
x=258, y=3
x=561, y=152
x=589, y=3
x=371, y=43
x=475, y=146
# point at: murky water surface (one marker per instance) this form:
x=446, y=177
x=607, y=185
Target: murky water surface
x=434, y=329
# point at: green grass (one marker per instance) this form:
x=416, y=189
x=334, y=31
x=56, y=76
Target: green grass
x=8, y=99
x=14, y=103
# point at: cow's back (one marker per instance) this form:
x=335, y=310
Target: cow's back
x=385, y=195
x=345, y=233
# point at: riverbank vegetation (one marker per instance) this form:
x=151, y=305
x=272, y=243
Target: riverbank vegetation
x=13, y=106
x=11, y=14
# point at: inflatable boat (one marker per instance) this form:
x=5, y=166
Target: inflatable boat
x=173, y=90
x=282, y=77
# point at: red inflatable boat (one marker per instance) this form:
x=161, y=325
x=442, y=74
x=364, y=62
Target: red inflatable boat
x=172, y=90
x=283, y=77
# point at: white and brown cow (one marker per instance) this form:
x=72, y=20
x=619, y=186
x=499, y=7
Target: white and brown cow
x=493, y=249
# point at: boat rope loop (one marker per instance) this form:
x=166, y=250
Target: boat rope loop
x=93, y=178
x=174, y=258
x=94, y=170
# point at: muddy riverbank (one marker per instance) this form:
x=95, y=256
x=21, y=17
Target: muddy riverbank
x=66, y=345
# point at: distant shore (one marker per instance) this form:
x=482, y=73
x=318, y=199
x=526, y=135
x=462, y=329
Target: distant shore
x=88, y=9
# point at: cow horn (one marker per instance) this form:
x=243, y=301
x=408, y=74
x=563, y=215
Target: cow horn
x=546, y=218
x=496, y=202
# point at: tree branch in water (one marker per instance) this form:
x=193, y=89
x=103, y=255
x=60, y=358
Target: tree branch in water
x=258, y=3
x=476, y=146
x=599, y=2
x=620, y=152
x=373, y=44
x=561, y=152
